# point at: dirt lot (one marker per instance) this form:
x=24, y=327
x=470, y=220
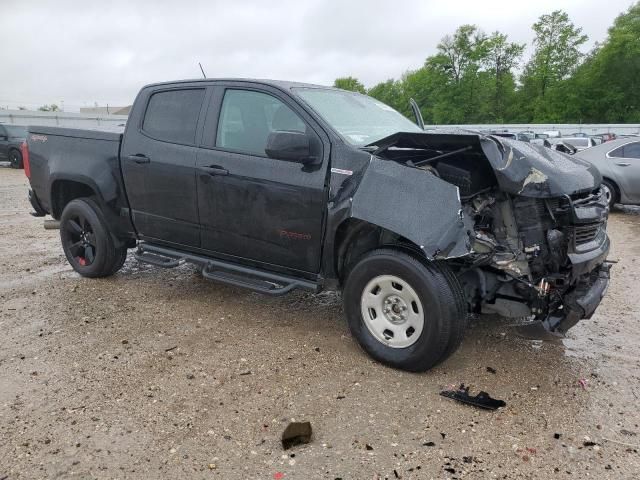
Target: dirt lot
x=158, y=373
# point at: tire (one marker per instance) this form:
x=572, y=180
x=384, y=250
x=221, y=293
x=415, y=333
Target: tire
x=611, y=191
x=87, y=241
x=117, y=265
x=15, y=157
x=398, y=337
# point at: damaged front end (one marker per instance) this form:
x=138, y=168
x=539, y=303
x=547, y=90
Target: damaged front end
x=529, y=238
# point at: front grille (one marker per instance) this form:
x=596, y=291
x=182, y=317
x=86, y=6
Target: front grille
x=586, y=233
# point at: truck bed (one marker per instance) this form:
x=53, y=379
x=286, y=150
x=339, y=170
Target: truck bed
x=85, y=156
x=105, y=133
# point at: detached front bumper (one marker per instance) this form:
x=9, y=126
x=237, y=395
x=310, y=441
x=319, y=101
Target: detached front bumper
x=581, y=302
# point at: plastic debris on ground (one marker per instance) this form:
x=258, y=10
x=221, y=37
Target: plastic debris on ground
x=481, y=400
x=296, y=433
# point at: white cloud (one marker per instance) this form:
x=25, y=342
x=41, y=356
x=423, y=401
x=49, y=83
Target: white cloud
x=95, y=51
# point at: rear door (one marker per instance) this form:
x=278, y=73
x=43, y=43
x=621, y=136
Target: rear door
x=253, y=207
x=625, y=163
x=4, y=143
x=158, y=164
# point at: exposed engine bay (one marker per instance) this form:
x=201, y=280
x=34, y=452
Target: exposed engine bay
x=535, y=224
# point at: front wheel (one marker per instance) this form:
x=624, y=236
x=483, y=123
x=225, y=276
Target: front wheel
x=15, y=157
x=404, y=312
x=610, y=193
x=87, y=242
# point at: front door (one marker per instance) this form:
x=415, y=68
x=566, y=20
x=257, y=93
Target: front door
x=253, y=207
x=158, y=165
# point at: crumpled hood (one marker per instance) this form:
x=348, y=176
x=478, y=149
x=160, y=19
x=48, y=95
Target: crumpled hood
x=521, y=168
x=537, y=171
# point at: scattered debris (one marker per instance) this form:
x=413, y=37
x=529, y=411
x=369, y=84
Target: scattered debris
x=368, y=447
x=629, y=433
x=212, y=466
x=296, y=433
x=278, y=476
x=429, y=444
x=396, y=473
x=492, y=370
x=583, y=383
x=482, y=400
x=340, y=397
x=557, y=436
x=190, y=376
x=248, y=372
x=443, y=435
x=170, y=348
x=589, y=443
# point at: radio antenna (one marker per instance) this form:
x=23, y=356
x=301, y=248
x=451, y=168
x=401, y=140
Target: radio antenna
x=204, y=75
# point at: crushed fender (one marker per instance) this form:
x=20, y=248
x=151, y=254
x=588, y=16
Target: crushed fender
x=482, y=400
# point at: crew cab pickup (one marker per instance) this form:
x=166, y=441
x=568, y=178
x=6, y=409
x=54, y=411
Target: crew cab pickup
x=277, y=186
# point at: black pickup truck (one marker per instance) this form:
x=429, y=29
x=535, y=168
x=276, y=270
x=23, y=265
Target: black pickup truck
x=276, y=186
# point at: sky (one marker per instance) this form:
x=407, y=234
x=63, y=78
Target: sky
x=78, y=53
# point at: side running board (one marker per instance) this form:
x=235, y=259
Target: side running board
x=225, y=272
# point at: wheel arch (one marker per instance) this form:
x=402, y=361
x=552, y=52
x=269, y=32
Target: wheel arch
x=64, y=190
x=355, y=237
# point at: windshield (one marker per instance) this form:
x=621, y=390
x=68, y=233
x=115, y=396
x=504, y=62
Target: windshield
x=15, y=131
x=361, y=120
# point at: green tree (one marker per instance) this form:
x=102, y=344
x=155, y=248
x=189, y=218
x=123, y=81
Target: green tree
x=49, y=108
x=607, y=86
x=500, y=59
x=391, y=93
x=349, y=83
x=556, y=56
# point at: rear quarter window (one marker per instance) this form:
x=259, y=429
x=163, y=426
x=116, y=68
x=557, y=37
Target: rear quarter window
x=172, y=115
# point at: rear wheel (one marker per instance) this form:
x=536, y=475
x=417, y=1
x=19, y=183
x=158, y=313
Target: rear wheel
x=404, y=312
x=15, y=157
x=610, y=193
x=87, y=242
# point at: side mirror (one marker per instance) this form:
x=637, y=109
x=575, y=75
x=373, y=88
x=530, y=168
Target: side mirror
x=289, y=146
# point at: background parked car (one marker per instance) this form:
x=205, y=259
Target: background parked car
x=607, y=137
x=513, y=135
x=560, y=146
x=619, y=163
x=580, y=143
x=11, y=137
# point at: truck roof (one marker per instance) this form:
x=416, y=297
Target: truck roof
x=281, y=84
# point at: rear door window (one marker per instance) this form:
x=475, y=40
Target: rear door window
x=248, y=117
x=632, y=150
x=172, y=115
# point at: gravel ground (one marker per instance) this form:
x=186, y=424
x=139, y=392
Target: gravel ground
x=157, y=373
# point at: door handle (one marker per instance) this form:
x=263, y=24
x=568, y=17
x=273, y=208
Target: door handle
x=214, y=170
x=139, y=158
x=623, y=164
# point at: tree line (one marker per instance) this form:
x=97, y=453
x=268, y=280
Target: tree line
x=476, y=77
